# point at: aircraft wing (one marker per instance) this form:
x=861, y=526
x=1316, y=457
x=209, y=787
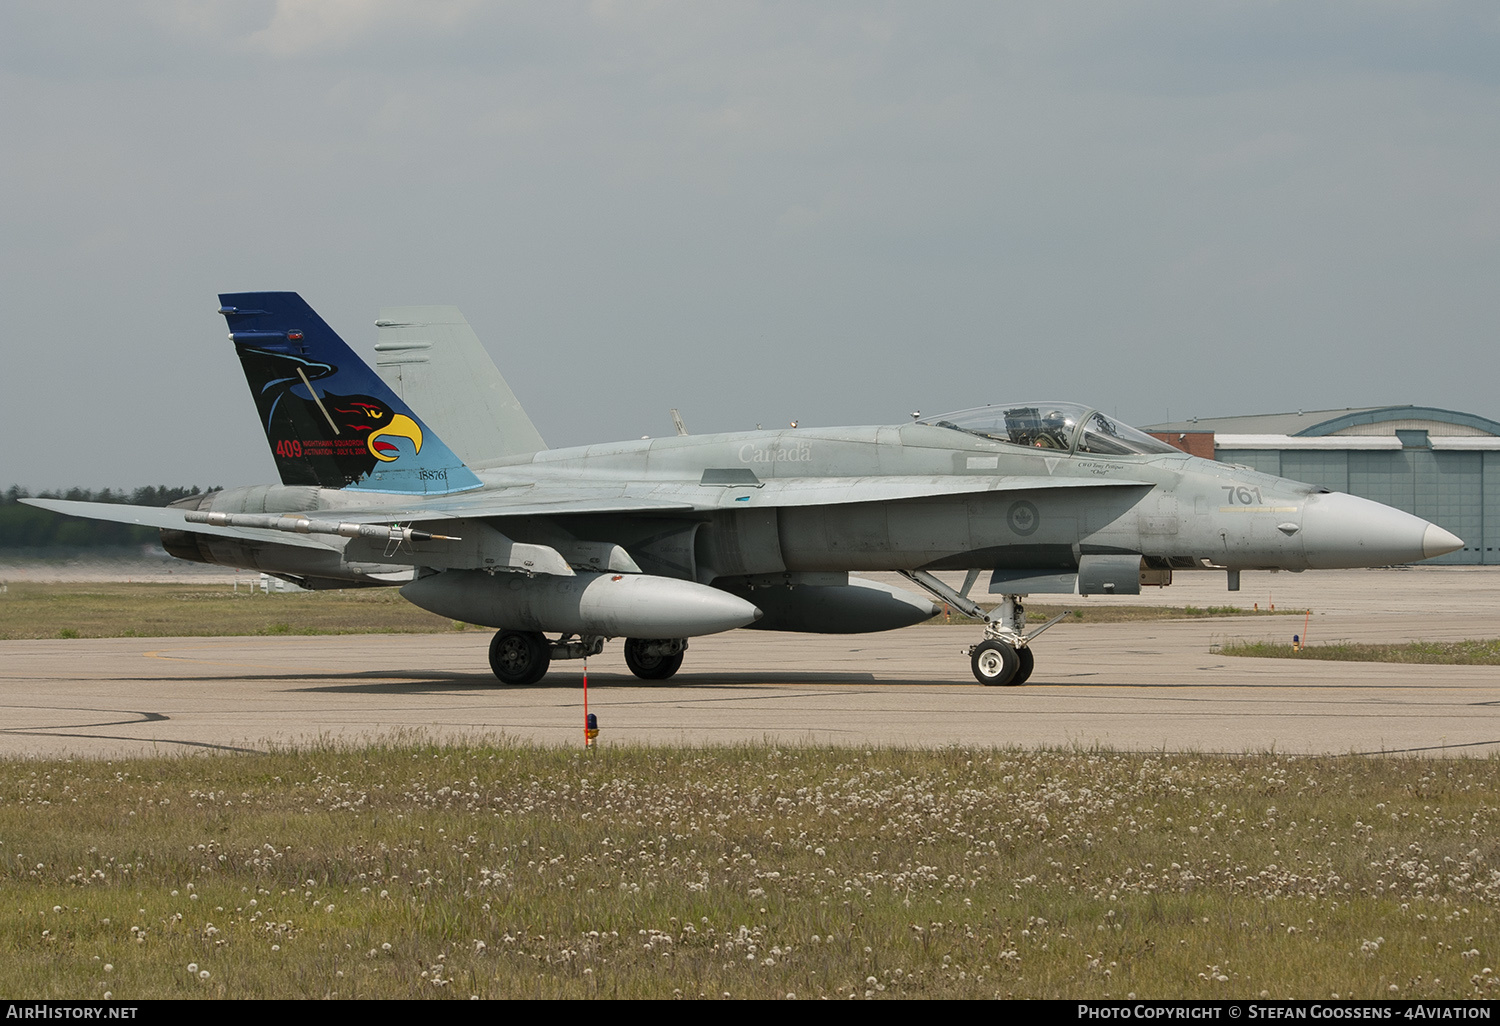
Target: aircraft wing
x=626, y=497
x=647, y=497
x=520, y=502
x=826, y=491
x=171, y=519
x=493, y=506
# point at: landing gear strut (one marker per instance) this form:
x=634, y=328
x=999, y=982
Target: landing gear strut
x=1004, y=656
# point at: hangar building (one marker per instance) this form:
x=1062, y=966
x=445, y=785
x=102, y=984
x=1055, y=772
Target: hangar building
x=1441, y=465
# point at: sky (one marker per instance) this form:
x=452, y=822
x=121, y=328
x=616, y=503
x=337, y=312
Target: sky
x=755, y=212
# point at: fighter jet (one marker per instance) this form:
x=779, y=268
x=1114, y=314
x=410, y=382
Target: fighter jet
x=661, y=540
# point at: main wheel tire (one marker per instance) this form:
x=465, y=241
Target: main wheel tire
x=519, y=657
x=1025, y=663
x=647, y=666
x=994, y=662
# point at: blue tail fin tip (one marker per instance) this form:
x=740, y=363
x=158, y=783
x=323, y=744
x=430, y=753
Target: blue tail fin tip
x=329, y=419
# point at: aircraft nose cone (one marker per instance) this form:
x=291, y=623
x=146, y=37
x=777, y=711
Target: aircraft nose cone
x=1437, y=542
x=1342, y=531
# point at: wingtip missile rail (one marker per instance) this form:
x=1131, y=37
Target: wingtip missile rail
x=294, y=524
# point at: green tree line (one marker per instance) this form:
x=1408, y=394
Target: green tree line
x=26, y=527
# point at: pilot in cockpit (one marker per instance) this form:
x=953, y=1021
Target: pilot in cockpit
x=1054, y=433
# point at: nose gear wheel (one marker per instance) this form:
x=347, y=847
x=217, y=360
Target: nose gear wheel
x=994, y=663
x=1025, y=663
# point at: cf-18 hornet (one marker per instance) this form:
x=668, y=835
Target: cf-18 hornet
x=429, y=476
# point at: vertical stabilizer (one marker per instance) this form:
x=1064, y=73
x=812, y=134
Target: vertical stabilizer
x=432, y=359
x=329, y=419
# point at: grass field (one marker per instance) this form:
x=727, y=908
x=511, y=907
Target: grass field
x=1460, y=653
x=415, y=870
x=113, y=610
x=1081, y=610
x=203, y=610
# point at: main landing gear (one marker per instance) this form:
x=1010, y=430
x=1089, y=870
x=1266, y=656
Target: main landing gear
x=523, y=657
x=520, y=657
x=654, y=658
x=1004, y=656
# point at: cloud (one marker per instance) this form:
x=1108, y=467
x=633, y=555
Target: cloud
x=300, y=28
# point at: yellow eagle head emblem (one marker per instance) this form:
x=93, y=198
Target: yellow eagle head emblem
x=401, y=426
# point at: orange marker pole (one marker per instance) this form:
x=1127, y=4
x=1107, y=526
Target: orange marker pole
x=1305, y=621
x=585, y=702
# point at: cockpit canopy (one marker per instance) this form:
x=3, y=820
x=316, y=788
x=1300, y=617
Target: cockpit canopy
x=1067, y=427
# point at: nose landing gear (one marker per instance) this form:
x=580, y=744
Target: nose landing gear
x=1004, y=657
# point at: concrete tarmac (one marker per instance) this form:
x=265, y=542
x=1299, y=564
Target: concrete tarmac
x=1143, y=686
